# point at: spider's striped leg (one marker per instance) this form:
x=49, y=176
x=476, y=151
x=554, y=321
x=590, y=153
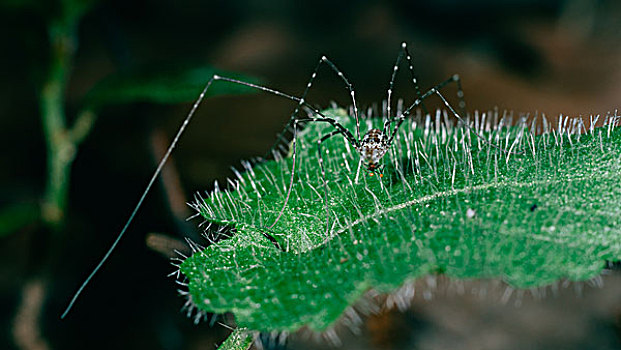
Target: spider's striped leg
x=402, y=52
x=391, y=85
x=352, y=93
x=173, y=144
x=420, y=98
x=321, y=117
x=460, y=91
x=450, y=108
x=323, y=174
x=339, y=129
x=156, y=173
x=281, y=136
x=436, y=90
x=288, y=195
x=460, y=96
x=400, y=118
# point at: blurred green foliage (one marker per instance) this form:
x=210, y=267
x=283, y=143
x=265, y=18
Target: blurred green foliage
x=16, y=216
x=162, y=84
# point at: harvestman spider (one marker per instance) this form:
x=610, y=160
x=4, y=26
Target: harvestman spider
x=371, y=147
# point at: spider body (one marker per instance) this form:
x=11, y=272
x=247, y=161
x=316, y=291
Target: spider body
x=372, y=148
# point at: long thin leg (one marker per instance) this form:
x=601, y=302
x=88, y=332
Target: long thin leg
x=391, y=85
x=413, y=74
x=349, y=86
x=460, y=96
x=448, y=105
x=418, y=101
x=352, y=93
x=323, y=174
x=160, y=165
x=460, y=91
x=341, y=129
x=322, y=117
x=402, y=52
x=284, y=205
x=455, y=78
x=399, y=119
x=143, y=196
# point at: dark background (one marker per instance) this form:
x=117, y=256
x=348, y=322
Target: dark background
x=532, y=56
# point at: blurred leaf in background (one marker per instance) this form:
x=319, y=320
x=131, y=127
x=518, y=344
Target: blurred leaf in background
x=15, y=216
x=162, y=84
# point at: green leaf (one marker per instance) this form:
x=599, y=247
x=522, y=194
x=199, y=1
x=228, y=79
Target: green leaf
x=240, y=339
x=162, y=84
x=448, y=203
x=15, y=216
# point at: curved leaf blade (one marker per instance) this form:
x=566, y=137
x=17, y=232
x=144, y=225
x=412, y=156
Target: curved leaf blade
x=448, y=203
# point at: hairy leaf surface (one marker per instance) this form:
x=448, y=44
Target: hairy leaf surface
x=447, y=203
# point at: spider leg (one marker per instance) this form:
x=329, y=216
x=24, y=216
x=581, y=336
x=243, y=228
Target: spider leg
x=341, y=129
x=284, y=205
x=436, y=90
x=281, y=136
x=448, y=105
x=173, y=144
x=402, y=52
x=399, y=119
x=323, y=173
x=352, y=93
x=460, y=96
x=420, y=98
x=456, y=79
x=321, y=117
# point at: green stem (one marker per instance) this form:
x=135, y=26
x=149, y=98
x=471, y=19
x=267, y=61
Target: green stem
x=61, y=142
x=60, y=150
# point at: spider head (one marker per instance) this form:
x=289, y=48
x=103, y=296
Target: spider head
x=372, y=148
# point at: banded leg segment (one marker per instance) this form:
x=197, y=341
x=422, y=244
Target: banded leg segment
x=339, y=128
x=450, y=108
x=158, y=170
x=352, y=93
x=419, y=97
x=395, y=69
x=399, y=119
x=456, y=79
x=302, y=100
x=172, y=146
x=321, y=117
x=436, y=90
x=460, y=96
